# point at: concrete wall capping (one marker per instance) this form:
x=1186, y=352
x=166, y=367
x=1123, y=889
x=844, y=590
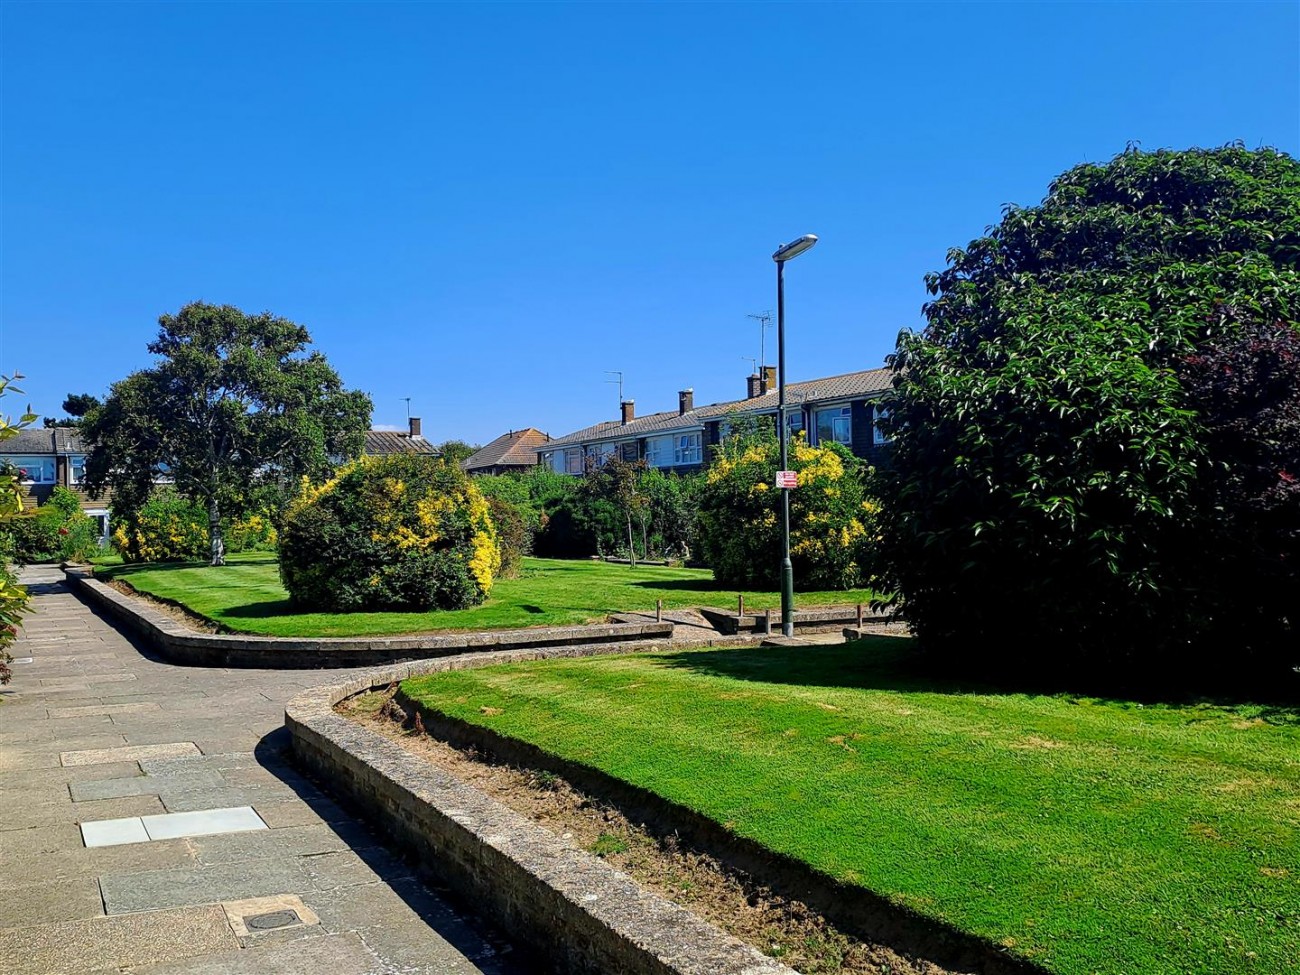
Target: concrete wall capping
x=582, y=914
x=182, y=645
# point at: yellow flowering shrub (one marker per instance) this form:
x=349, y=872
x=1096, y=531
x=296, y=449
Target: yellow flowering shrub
x=399, y=532
x=166, y=528
x=832, y=518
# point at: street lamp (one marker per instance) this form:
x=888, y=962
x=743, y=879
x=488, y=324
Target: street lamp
x=786, y=252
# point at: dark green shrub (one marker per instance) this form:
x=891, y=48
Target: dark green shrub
x=1047, y=504
x=397, y=532
x=35, y=535
x=515, y=531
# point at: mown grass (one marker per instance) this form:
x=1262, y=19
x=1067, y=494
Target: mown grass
x=1092, y=836
x=246, y=596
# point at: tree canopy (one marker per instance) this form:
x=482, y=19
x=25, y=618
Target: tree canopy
x=1055, y=497
x=234, y=402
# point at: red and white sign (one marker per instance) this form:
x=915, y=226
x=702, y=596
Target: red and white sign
x=787, y=479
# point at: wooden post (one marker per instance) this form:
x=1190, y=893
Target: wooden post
x=767, y=622
x=740, y=605
x=859, y=616
x=659, y=610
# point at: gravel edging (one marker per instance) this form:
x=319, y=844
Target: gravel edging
x=180, y=644
x=583, y=915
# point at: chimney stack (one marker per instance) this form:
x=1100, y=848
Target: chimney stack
x=629, y=410
x=685, y=401
x=415, y=426
x=769, y=379
x=753, y=386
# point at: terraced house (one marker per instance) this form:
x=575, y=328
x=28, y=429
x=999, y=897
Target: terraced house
x=50, y=458
x=843, y=409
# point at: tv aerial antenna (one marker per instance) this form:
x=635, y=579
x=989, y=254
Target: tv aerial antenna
x=407, y=401
x=764, y=319
x=616, y=382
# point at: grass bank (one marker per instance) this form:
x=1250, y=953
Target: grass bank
x=246, y=596
x=1092, y=836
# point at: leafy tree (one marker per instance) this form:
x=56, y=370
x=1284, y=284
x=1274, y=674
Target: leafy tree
x=832, y=516
x=455, y=451
x=234, y=402
x=76, y=405
x=617, y=484
x=1049, y=466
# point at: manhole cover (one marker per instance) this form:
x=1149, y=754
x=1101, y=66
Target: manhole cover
x=271, y=921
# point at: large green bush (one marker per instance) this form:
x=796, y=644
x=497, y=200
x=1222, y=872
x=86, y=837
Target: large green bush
x=166, y=528
x=397, y=532
x=1050, y=505
x=832, y=516
x=57, y=531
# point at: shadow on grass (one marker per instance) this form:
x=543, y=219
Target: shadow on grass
x=266, y=609
x=684, y=585
x=892, y=664
x=127, y=570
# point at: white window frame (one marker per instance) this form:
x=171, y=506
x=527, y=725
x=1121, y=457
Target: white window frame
x=688, y=448
x=842, y=413
x=573, y=458
x=878, y=436
x=41, y=460
x=76, y=463
x=659, y=450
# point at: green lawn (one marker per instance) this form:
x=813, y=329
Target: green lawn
x=245, y=596
x=1094, y=836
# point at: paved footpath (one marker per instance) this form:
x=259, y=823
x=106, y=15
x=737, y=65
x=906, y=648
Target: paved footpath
x=209, y=835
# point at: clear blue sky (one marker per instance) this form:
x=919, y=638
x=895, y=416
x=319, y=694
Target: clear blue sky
x=484, y=207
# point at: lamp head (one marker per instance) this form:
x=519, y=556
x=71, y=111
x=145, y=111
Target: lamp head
x=787, y=252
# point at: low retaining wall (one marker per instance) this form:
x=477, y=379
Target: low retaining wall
x=583, y=915
x=182, y=645
x=827, y=619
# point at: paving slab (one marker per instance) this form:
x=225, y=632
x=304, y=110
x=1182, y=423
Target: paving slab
x=129, y=753
x=42, y=903
x=141, y=785
x=106, y=709
x=237, y=819
x=337, y=954
x=112, y=943
x=152, y=890
x=114, y=832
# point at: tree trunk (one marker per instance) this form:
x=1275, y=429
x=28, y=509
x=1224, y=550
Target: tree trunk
x=631, y=546
x=214, y=532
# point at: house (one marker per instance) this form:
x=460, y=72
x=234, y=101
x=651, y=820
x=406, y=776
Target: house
x=50, y=458
x=508, y=453
x=839, y=408
x=381, y=443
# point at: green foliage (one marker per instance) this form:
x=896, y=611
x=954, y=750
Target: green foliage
x=515, y=529
x=455, y=451
x=76, y=405
x=166, y=528
x=57, y=531
x=404, y=531
x=13, y=597
x=235, y=402
x=1049, y=466
x=832, y=517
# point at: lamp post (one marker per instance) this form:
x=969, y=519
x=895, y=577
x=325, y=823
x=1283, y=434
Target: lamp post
x=786, y=252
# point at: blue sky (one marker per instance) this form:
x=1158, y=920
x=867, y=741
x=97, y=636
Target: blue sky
x=484, y=207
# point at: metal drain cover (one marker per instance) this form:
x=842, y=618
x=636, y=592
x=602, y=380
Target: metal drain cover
x=271, y=921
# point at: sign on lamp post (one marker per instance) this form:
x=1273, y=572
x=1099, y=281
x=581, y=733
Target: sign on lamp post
x=787, y=479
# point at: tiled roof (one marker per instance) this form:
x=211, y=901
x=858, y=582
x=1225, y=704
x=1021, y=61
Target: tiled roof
x=380, y=443
x=851, y=385
x=518, y=448
x=52, y=440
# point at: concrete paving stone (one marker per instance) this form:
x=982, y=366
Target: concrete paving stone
x=329, y=871
x=16, y=782
x=108, y=944
x=292, y=841
x=414, y=949
x=200, y=797
x=155, y=889
x=114, y=832
x=43, y=903
x=40, y=840
x=237, y=911
x=335, y=954
x=237, y=819
x=141, y=785
x=220, y=762
x=108, y=709
x=54, y=814
x=128, y=753
x=72, y=658
x=55, y=866
x=278, y=813
x=81, y=682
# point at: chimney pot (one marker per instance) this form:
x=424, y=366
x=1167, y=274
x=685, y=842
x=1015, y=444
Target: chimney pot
x=629, y=410
x=753, y=386
x=415, y=426
x=685, y=401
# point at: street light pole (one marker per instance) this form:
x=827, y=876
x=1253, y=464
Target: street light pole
x=785, y=253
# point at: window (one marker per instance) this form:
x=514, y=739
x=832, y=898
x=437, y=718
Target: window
x=630, y=451
x=687, y=449
x=835, y=425
x=659, y=451
x=598, y=453
x=793, y=422
x=573, y=460
x=77, y=468
x=34, y=470
x=878, y=436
